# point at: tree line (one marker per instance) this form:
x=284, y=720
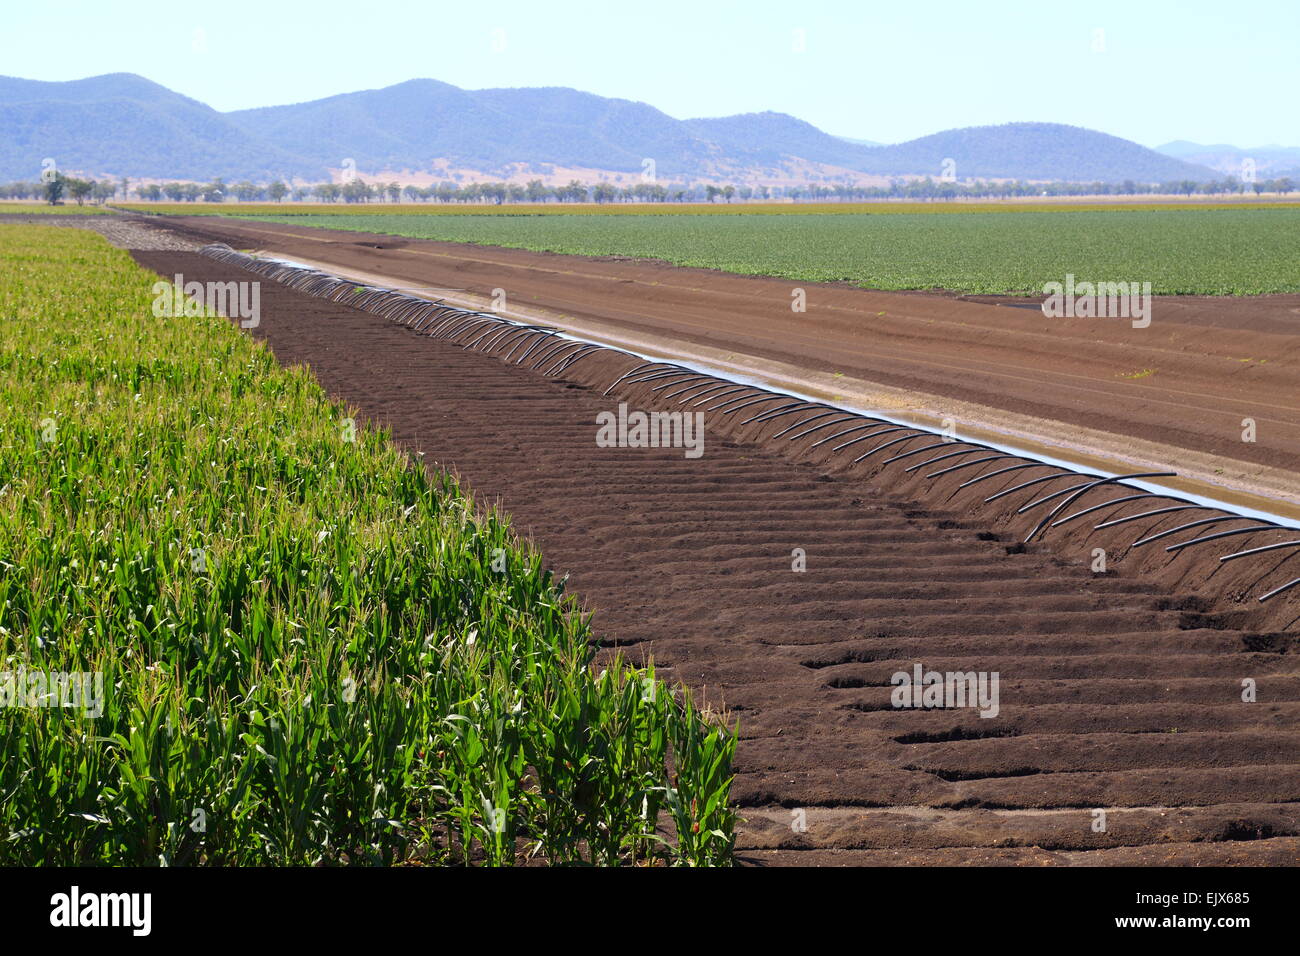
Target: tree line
x=59, y=187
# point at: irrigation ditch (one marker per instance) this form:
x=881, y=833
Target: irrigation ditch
x=1225, y=561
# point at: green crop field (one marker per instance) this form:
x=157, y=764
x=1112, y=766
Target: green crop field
x=1188, y=250
x=307, y=655
x=886, y=208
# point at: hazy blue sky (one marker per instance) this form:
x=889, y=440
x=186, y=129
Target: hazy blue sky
x=1159, y=70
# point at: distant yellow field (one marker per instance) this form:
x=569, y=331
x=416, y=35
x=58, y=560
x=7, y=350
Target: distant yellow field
x=72, y=209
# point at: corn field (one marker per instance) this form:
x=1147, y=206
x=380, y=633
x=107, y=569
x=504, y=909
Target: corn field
x=307, y=655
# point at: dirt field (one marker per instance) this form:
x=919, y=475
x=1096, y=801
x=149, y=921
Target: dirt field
x=1119, y=692
x=1176, y=393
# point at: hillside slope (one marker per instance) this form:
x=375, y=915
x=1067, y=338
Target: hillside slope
x=122, y=124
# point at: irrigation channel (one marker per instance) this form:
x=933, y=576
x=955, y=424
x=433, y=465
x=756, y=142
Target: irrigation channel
x=554, y=353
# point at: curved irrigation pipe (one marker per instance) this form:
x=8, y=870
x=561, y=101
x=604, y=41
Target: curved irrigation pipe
x=551, y=352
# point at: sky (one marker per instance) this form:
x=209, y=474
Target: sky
x=1147, y=70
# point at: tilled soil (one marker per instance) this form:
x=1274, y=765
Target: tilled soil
x=1114, y=696
x=1189, y=380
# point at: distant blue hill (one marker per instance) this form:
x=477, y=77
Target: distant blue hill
x=1270, y=161
x=125, y=125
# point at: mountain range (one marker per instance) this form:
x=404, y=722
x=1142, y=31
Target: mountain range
x=121, y=124
x=1270, y=161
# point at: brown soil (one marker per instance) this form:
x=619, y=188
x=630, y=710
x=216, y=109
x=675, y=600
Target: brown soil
x=1187, y=381
x=1119, y=691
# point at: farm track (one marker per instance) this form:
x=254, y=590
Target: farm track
x=1114, y=694
x=1183, y=386
x=126, y=232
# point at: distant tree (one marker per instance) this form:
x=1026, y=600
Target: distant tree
x=151, y=192
x=328, y=192
x=536, y=191
x=214, y=191
x=355, y=191
x=516, y=193
x=14, y=191
x=54, y=189
x=174, y=191
x=79, y=189
x=603, y=192
x=245, y=191
x=1284, y=184
x=394, y=192
x=102, y=192
x=277, y=191
x=729, y=193
x=191, y=192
